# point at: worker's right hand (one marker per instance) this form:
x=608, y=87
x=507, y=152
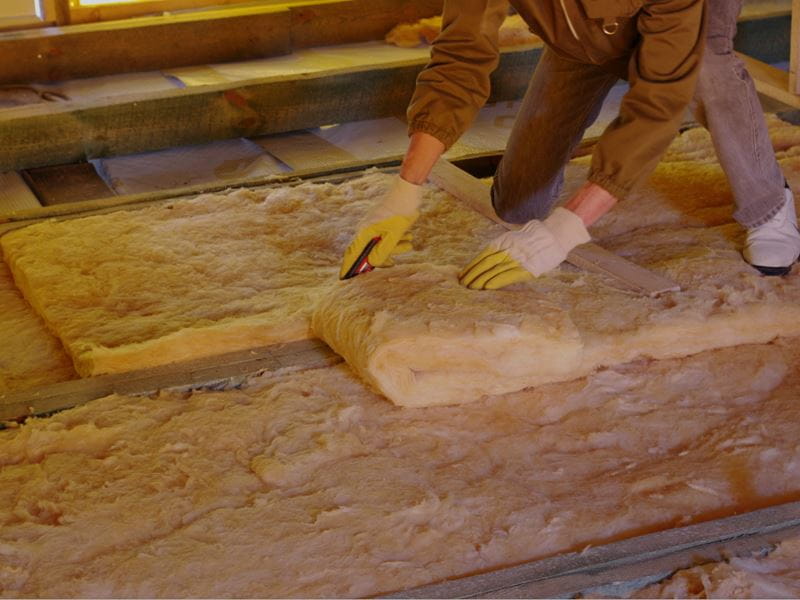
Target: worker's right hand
x=389, y=220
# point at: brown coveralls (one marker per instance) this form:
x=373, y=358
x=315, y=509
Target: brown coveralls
x=655, y=44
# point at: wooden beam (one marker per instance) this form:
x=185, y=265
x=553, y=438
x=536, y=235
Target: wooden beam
x=220, y=372
x=43, y=135
x=196, y=38
x=590, y=257
x=145, y=44
x=653, y=556
x=771, y=81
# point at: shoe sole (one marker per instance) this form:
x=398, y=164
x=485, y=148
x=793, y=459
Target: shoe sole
x=775, y=271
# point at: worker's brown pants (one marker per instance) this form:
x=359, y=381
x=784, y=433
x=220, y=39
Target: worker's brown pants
x=565, y=97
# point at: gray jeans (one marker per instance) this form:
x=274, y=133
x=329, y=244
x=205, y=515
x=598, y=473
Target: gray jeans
x=565, y=97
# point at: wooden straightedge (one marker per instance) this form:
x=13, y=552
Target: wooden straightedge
x=590, y=257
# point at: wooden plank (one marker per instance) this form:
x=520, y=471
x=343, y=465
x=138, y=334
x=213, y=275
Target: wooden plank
x=67, y=183
x=771, y=81
x=220, y=372
x=15, y=195
x=146, y=44
x=304, y=150
x=588, y=256
x=655, y=554
x=43, y=135
x=597, y=259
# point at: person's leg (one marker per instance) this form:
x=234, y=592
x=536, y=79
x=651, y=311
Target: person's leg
x=726, y=103
x=563, y=99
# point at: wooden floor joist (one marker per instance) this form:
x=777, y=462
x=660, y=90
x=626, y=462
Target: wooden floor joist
x=219, y=372
x=590, y=257
x=55, y=134
x=640, y=559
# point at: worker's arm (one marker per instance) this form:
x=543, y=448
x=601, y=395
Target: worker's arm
x=590, y=203
x=423, y=152
x=455, y=84
x=395, y=213
x=448, y=95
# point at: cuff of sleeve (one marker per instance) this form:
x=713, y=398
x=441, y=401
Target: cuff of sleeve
x=609, y=185
x=447, y=137
x=404, y=196
x=567, y=228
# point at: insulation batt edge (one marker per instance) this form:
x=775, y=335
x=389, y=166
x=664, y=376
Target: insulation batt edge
x=229, y=272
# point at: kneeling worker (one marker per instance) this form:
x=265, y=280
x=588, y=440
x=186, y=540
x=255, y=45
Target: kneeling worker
x=670, y=53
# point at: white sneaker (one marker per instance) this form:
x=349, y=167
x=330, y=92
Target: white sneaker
x=774, y=247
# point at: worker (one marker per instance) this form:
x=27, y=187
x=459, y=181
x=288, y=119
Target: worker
x=658, y=46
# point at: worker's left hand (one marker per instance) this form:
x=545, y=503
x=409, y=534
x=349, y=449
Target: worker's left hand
x=520, y=255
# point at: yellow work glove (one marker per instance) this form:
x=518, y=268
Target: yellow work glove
x=535, y=248
x=390, y=220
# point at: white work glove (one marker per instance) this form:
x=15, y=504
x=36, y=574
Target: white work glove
x=390, y=219
x=534, y=249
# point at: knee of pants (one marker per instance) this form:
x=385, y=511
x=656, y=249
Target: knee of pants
x=716, y=69
x=519, y=209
